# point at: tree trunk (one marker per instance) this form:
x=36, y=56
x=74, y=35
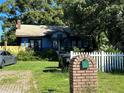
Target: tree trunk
x=5, y=44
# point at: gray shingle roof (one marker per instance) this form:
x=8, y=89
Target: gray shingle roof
x=38, y=30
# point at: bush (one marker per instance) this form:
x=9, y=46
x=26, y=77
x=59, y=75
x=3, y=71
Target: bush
x=28, y=55
x=76, y=49
x=49, y=54
x=112, y=49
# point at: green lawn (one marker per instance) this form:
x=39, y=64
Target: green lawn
x=48, y=77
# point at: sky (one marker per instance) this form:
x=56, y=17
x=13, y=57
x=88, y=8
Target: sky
x=1, y=1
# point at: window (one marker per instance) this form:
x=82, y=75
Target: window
x=32, y=43
x=55, y=44
x=60, y=36
x=36, y=43
x=24, y=42
x=73, y=43
x=39, y=43
x=67, y=43
x=85, y=44
x=79, y=43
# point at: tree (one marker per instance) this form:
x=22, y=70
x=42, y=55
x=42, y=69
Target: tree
x=8, y=15
x=38, y=12
x=48, y=12
x=93, y=17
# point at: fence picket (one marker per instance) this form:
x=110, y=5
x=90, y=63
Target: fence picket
x=106, y=61
x=122, y=64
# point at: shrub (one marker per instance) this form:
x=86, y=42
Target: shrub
x=28, y=55
x=13, y=49
x=49, y=54
x=112, y=49
x=76, y=49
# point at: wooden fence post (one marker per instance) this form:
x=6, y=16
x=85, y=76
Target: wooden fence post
x=102, y=59
x=71, y=54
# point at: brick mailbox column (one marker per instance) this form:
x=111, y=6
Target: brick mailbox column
x=83, y=76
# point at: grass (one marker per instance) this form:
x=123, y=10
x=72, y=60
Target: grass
x=49, y=78
x=111, y=83
x=8, y=80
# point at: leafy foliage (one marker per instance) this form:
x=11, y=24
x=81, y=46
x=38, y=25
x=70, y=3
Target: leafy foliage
x=97, y=16
x=38, y=12
x=28, y=55
x=85, y=17
x=49, y=54
x=104, y=44
x=47, y=12
x=76, y=49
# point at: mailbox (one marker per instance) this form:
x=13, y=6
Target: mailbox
x=84, y=64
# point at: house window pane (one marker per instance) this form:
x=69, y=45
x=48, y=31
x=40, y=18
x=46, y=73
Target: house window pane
x=85, y=44
x=24, y=42
x=79, y=43
x=39, y=43
x=32, y=43
x=60, y=36
x=73, y=43
x=55, y=44
x=67, y=43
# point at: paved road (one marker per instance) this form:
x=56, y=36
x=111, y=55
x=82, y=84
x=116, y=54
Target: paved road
x=16, y=82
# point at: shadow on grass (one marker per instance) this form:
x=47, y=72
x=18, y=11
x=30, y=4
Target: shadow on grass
x=52, y=69
x=50, y=91
x=116, y=73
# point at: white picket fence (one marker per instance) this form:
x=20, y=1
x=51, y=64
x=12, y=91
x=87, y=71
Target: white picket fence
x=106, y=61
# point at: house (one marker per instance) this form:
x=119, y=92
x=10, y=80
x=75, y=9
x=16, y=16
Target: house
x=41, y=37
